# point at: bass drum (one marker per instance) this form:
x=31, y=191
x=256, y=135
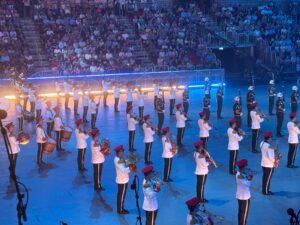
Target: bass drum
x=49, y=146
x=67, y=133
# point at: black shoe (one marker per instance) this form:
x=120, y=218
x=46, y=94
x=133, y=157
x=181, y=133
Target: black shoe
x=270, y=193
x=166, y=180
x=170, y=180
x=86, y=121
x=271, y=114
x=280, y=135
x=204, y=200
x=102, y=188
x=256, y=151
x=122, y=212
x=292, y=166
x=126, y=211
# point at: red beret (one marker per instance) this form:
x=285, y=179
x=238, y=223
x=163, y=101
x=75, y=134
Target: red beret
x=201, y=113
x=9, y=125
x=147, y=169
x=233, y=120
x=165, y=130
x=241, y=163
x=254, y=104
x=193, y=201
x=79, y=121
x=292, y=114
x=146, y=117
x=178, y=106
x=198, y=143
x=119, y=148
x=267, y=134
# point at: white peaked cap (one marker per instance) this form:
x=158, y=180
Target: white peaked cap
x=294, y=88
x=237, y=98
x=206, y=79
x=250, y=88
x=279, y=95
x=271, y=82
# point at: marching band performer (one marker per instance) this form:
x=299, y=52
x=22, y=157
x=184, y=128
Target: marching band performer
x=268, y=162
x=172, y=99
x=122, y=178
x=256, y=120
x=185, y=100
x=67, y=88
x=76, y=97
x=57, y=88
x=205, y=127
x=49, y=118
x=85, y=104
x=180, y=124
x=141, y=102
x=32, y=98
x=279, y=113
x=150, y=204
x=58, y=127
x=25, y=92
x=201, y=169
x=117, y=97
x=39, y=106
x=94, y=109
x=105, y=87
x=97, y=160
x=233, y=144
x=219, y=100
x=250, y=100
x=294, y=131
x=294, y=99
x=168, y=154
x=129, y=97
x=160, y=108
x=237, y=111
x=193, y=205
x=81, y=144
x=271, y=93
x=148, y=138
x=207, y=85
x=206, y=104
x=41, y=139
x=243, y=195
x=156, y=89
x=131, y=122
x=19, y=112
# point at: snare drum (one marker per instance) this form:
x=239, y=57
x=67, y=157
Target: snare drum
x=49, y=146
x=29, y=116
x=66, y=134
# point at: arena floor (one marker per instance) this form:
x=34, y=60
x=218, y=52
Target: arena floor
x=59, y=192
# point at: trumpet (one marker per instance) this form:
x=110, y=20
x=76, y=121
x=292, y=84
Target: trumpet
x=154, y=181
x=154, y=128
x=248, y=174
x=209, y=158
x=239, y=131
x=174, y=148
x=262, y=115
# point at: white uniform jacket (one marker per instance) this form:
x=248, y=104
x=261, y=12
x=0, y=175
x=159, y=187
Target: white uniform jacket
x=122, y=171
x=85, y=100
x=180, y=119
x=81, y=138
x=58, y=123
x=167, y=146
x=49, y=116
x=233, y=139
x=93, y=107
x=243, y=187
x=256, y=120
x=131, y=122
x=148, y=133
x=204, y=128
x=97, y=156
x=14, y=144
x=268, y=155
x=40, y=135
x=150, y=199
x=201, y=164
x=294, y=131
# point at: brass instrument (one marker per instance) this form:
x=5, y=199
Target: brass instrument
x=174, y=149
x=262, y=115
x=154, y=181
x=131, y=161
x=210, y=158
x=248, y=174
x=153, y=127
x=105, y=145
x=209, y=123
x=278, y=155
x=239, y=131
x=201, y=216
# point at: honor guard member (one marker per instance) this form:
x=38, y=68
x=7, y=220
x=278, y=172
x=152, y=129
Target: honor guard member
x=243, y=195
x=39, y=105
x=20, y=116
x=81, y=144
x=206, y=104
x=193, y=207
x=67, y=88
x=156, y=89
x=85, y=104
x=160, y=108
x=180, y=124
x=268, y=162
x=148, y=138
x=201, y=169
x=131, y=122
x=117, y=97
x=49, y=118
x=76, y=99
x=41, y=139
x=172, y=99
x=294, y=99
x=237, y=111
x=256, y=120
x=58, y=127
x=129, y=97
x=204, y=127
x=14, y=148
x=141, y=102
x=219, y=100
x=250, y=100
x=150, y=189
x=185, y=100
x=122, y=178
x=25, y=91
x=271, y=94
x=207, y=85
x=168, y=153
x=93, y=107
x=97, y=160
x=233, y=145
x=105, y=87
x=57, y=88
x=279, y=113
x=294, y=131
x=32, y=98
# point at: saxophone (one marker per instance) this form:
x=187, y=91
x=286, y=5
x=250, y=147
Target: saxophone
x=174, y=149
x=278, y=155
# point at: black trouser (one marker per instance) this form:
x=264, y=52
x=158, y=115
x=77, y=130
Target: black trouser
x=294, y=107
x=185, y=107
x=93, y=120
x=161, y=117
x=233, y=154
x=105, y=94
x=20, y=120
x=117, y=104
x=219, y=107
x=97, y=175
x=32, y=106
x=266, y=179
x=180, y=133
x=205, y=140
x=238, y=121
x=25, y=103
x=122, y=188
x=167, y=168
x=255, y=134
x=12, y=167
x=39, y=157
x=279, y=121
x=155, y=100
x=141, y=111
x=49, y=128
x=172, y=104
x=131, y=139
x=271, y=104
x=58, y=140
x=128, y=104
x=207, y=112
x=148, y=147
x=85, y=111
x=201, y=179
x=151, y=217
x=292, y=154
x=80, y=158
x=249, y=108
x=243, y=211
x=76, y=107
x=38, y=113
x=67, y=101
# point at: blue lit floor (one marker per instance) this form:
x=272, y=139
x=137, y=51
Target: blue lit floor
x=59, y=192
